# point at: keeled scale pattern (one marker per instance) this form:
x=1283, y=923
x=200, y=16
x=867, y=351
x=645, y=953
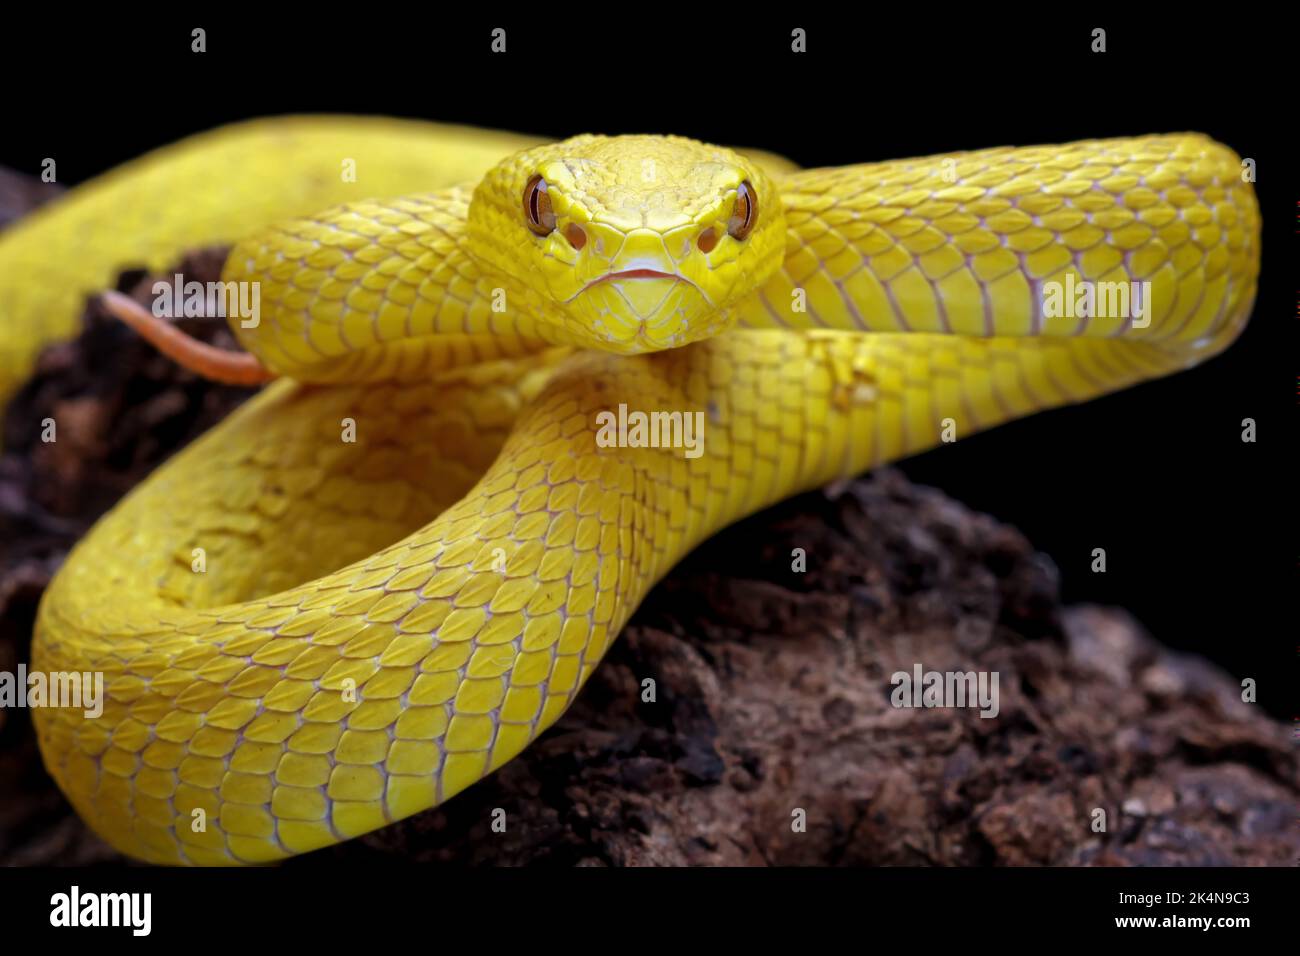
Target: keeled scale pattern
x=957, y=249
x=458, y=660
x=229, y=690
x=382, y=289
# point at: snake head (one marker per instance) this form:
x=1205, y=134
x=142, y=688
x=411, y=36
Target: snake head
x=628, y=243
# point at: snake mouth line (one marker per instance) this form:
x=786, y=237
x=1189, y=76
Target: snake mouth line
x=639, y=274
x=636, y=274
x=632, y=274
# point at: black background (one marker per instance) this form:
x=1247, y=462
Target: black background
x=1198, y=526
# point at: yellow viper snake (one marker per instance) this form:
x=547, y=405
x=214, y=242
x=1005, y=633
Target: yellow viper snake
x=416, y=544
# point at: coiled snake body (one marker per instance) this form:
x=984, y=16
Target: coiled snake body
x=380, y=622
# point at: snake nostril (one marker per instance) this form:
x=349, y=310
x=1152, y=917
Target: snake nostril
x=708, y=240
x=577, y=238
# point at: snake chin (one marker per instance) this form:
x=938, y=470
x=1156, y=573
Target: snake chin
x=644, y=310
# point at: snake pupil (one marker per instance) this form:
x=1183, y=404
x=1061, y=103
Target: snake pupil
x=537, y=207
x=742, y=219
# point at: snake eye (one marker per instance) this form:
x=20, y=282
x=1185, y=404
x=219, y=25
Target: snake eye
x=537, y=207
x=745, y=215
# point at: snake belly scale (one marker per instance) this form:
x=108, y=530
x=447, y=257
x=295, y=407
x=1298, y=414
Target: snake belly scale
x=382, y=622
